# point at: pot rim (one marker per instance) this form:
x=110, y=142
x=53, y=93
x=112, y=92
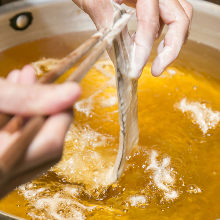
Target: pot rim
x=201, y=5
x=204, y=27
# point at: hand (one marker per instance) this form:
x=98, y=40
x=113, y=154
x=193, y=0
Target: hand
x=19, y=95
x=151, y=17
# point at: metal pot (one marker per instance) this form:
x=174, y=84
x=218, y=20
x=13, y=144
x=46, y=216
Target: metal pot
x=29, y=20
x=53, y=17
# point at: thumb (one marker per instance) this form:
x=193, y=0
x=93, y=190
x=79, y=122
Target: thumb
x=147, y=29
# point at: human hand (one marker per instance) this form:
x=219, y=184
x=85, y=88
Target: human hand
x=151, y=17
x=19, y=95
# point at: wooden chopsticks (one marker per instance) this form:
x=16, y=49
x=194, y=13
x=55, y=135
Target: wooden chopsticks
x=97, y=44
x=65, y=64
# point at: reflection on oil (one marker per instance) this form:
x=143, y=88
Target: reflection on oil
x=172, y=174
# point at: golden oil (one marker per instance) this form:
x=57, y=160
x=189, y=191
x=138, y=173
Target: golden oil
x=174, y=171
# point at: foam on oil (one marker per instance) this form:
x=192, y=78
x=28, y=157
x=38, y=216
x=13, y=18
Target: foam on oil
x=174, y=171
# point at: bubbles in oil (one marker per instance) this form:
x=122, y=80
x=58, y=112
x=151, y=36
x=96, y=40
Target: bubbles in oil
x=157, y=175
x=163, y=176
x=205, y=117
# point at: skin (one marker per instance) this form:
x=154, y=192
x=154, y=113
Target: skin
x=53, y=100
x=47, y=146
x=152, y=15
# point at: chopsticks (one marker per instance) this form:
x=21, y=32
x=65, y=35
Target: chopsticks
x=65, y=64
x=28, y=130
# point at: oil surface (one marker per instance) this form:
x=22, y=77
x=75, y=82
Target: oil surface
x=174, y=171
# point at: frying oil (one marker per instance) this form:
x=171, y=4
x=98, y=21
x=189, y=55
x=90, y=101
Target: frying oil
x=173, y=173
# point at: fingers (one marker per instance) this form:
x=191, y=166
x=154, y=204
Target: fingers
x=13, y=76
x=48, y=144
x=178, y=24
x=25, y=76
x=187, y=8
x=100, y=11
x=6, y=139
x=44, y=151
x=147, y=29
x=28, y=100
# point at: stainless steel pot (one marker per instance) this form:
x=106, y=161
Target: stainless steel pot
x=29, y=20
x=53, y=17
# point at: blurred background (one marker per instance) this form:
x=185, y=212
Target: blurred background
x=7, y=1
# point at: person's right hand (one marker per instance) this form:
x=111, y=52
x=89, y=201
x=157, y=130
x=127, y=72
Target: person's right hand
x=151, y=17
x=20, y=96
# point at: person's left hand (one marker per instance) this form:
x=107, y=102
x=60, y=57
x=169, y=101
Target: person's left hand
x=151, y=17
x=18, y=97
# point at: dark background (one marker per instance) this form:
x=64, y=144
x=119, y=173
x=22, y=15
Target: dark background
x=6, y=1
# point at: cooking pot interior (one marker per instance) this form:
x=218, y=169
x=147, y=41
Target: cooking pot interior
x=57, y=28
